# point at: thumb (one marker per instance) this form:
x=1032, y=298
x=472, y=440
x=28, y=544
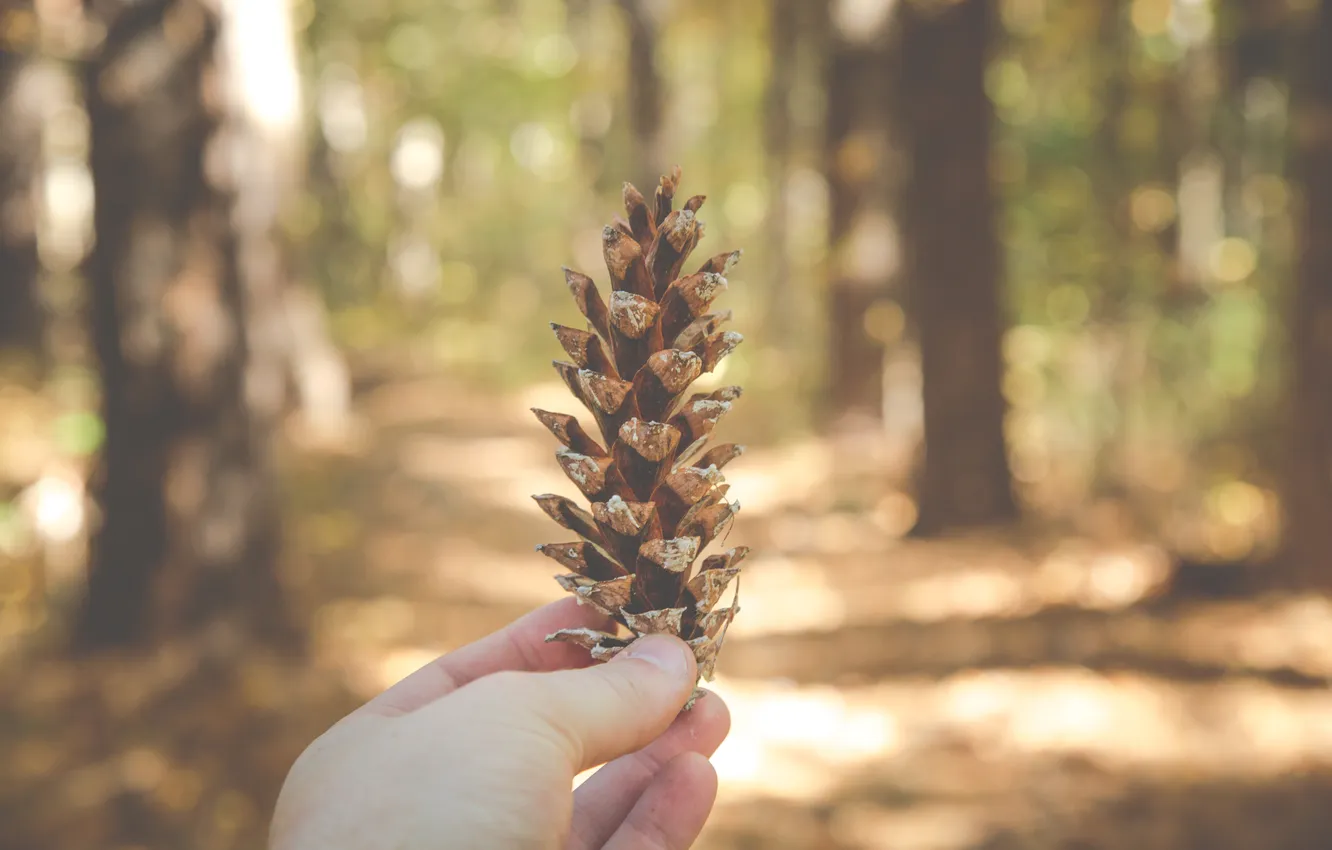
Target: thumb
x=602, y=712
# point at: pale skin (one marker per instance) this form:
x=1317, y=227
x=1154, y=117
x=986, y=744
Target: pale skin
x=478, y=750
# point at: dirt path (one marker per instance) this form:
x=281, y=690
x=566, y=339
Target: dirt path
x=998, y=692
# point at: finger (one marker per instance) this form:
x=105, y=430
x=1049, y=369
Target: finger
x=672, y=811
x=519, y=646
x=602, y=712
x=603, y=802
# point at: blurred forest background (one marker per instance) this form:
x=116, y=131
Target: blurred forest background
x=1037, y=298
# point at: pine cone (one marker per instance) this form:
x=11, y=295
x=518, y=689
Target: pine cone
x=658, y=498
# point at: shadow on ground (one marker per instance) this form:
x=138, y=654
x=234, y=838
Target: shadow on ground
x=1004, y=692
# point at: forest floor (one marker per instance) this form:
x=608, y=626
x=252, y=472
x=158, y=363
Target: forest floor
x=1004, y=691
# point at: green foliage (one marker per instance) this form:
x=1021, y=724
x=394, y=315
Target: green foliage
x=1122, y=169
x=79, y=433
x=466, y=150
x=519, y=108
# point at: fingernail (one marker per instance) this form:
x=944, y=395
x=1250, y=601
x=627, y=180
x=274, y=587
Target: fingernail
x=667, y=653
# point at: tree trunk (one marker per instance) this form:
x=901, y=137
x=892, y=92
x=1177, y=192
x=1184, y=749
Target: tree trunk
x=1308, y=494
x=862, y=165
x=783, y=44
x=1112, y=182
x=20, y=154
x=954, y=265
x=646, y=100
x=292, y=353
x=188, y=541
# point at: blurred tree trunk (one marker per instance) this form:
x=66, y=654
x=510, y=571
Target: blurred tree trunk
x=1255, y=58
x=783, y=44
x=1109, y=167
x=189, y=532
x=1308, y=485
x=954, y=265
x=292, y=353
x=20, y=155
x=645, y=94
x=862, y=166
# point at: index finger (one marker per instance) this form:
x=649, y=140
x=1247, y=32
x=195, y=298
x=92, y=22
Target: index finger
x=519, y=646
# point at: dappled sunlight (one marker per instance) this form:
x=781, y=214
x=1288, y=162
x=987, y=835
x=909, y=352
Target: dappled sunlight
x=26, y=419
x=805, y=743
x=469, y=460
x=398, y=665
x=926, y=583
x=792, y=742
x=934, y=681
x=502, y=473
x=1081, y=575
x=1294, y=634
x=782, y=595
x=56, y=505
x=947, y=826
x=543, y=395
x=261, y=50
x=464, y=569
x=1130, y=657
x=788, y=477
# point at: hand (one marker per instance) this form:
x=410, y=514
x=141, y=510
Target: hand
x=478, y=751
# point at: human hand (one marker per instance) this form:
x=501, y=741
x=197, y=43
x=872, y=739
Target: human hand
x=479, y=749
